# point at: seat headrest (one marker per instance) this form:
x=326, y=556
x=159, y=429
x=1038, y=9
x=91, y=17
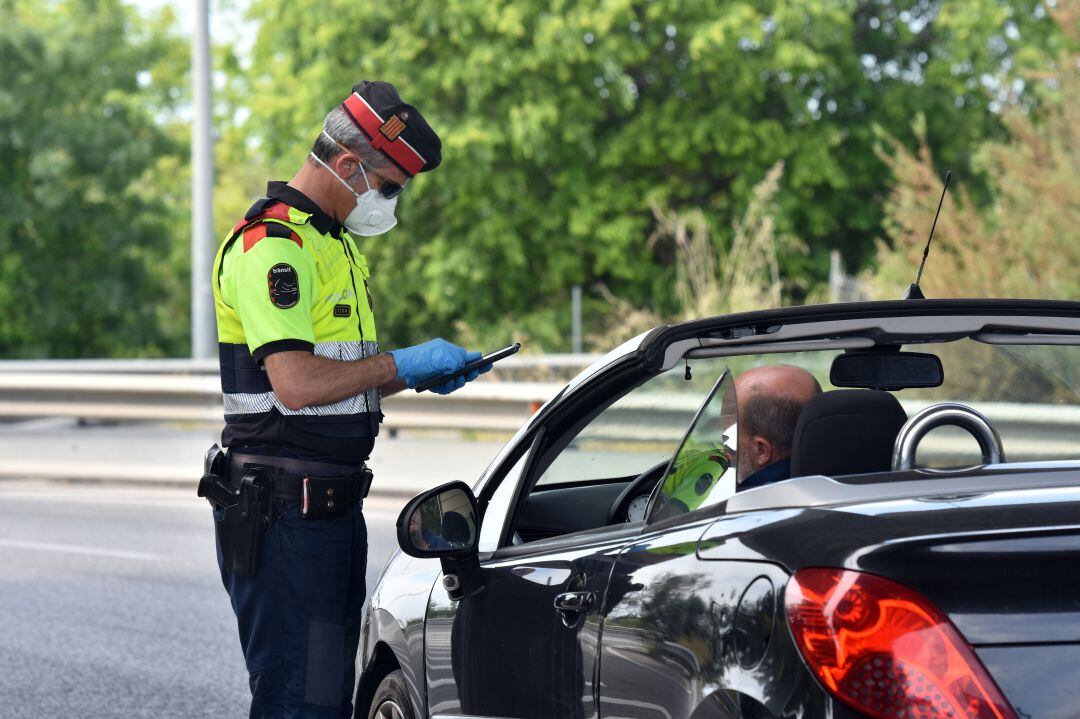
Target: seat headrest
x=846, y=432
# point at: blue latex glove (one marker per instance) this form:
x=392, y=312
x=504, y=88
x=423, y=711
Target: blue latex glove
x=456, y=384
x=430, y=359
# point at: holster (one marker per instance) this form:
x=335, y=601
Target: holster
x=242, y=527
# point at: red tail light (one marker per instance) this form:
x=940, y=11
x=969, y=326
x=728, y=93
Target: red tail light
x=886, y=651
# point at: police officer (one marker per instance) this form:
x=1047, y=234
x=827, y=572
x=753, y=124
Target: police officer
x=302, y=378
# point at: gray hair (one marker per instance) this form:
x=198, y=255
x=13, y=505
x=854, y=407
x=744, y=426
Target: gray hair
x=340, y=126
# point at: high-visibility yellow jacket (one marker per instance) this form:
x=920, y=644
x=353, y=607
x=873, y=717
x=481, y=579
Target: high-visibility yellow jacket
x=288, y=277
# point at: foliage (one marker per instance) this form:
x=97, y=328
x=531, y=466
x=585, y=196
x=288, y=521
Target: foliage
x=87, y=253
x=1024, y=243
x=572, y=130
x=614, y=144
x=745, y=276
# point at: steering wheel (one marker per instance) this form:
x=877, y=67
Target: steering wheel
x=642, y=484
x=946, y=413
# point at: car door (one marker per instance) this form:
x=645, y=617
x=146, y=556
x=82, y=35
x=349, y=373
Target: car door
x=523, y=639
x=670, y=619
x=522, y=642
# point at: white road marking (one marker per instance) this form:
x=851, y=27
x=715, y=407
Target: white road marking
x=73, y=549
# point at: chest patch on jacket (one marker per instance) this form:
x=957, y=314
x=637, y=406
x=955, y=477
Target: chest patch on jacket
x=284, y=286
x=342, y=310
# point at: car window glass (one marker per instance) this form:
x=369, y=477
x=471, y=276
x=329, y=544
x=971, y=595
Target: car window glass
x=703, y=471
x=637, y=431
x=594, y=462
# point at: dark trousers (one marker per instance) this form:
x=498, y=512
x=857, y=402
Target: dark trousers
x=299, y=616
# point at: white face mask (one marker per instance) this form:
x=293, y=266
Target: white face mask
x=373, y=214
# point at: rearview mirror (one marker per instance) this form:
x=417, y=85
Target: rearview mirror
x=440, y=522
x=888, y=370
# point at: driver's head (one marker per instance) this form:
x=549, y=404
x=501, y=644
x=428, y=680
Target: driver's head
x=770, y=401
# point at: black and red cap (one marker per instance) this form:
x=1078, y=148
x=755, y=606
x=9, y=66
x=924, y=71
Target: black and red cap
x=394, y=127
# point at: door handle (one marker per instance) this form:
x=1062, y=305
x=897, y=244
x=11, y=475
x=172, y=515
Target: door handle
x=574, y=603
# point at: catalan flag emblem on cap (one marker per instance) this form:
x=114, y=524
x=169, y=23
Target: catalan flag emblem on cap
x=392, y=127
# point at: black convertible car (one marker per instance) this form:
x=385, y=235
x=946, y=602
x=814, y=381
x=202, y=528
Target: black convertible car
x=922, y=562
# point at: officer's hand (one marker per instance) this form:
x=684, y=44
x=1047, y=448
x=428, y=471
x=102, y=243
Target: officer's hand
x=456, y=384
x=430, y=359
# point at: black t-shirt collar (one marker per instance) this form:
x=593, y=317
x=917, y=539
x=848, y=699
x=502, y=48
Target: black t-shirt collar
x=292, y=197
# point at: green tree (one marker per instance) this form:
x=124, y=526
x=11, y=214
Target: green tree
x=571, y=127
x=1025, y=242
x=92, y=210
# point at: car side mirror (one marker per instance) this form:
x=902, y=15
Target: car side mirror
x=440, y=522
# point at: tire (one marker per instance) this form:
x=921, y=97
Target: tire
x=392, y=699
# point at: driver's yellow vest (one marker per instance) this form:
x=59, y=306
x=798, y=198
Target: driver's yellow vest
x=694, y=475
x=281, y=284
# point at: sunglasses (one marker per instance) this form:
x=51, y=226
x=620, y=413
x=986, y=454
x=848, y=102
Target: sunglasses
x=387, y=187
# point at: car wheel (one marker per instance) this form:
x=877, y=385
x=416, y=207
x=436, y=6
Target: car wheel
x=392, y=699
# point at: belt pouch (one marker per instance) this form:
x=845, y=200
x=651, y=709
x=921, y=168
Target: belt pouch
x=326, y=497
x=242, y=527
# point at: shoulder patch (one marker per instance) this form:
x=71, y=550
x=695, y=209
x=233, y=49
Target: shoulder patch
x=258, y=231
x=284, y=286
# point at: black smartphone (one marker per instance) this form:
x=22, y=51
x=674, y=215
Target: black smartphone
x=469, y=367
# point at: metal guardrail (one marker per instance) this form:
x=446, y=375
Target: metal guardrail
x=1030, y=431
x=187, y=390
x=510, y=366
x=482, y=405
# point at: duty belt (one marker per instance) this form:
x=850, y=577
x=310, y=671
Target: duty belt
x=289, y=474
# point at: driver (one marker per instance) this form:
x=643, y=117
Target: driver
x=423, y=537
x=770, y=401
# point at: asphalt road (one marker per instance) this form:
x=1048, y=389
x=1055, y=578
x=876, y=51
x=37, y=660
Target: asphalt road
x=111, y=604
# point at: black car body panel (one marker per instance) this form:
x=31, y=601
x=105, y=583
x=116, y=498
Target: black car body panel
x=686, y=616
x=1041, y=680
x=979, y=558
x=677, y=632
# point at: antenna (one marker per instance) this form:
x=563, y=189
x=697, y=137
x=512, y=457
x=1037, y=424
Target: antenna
x=913, y=291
